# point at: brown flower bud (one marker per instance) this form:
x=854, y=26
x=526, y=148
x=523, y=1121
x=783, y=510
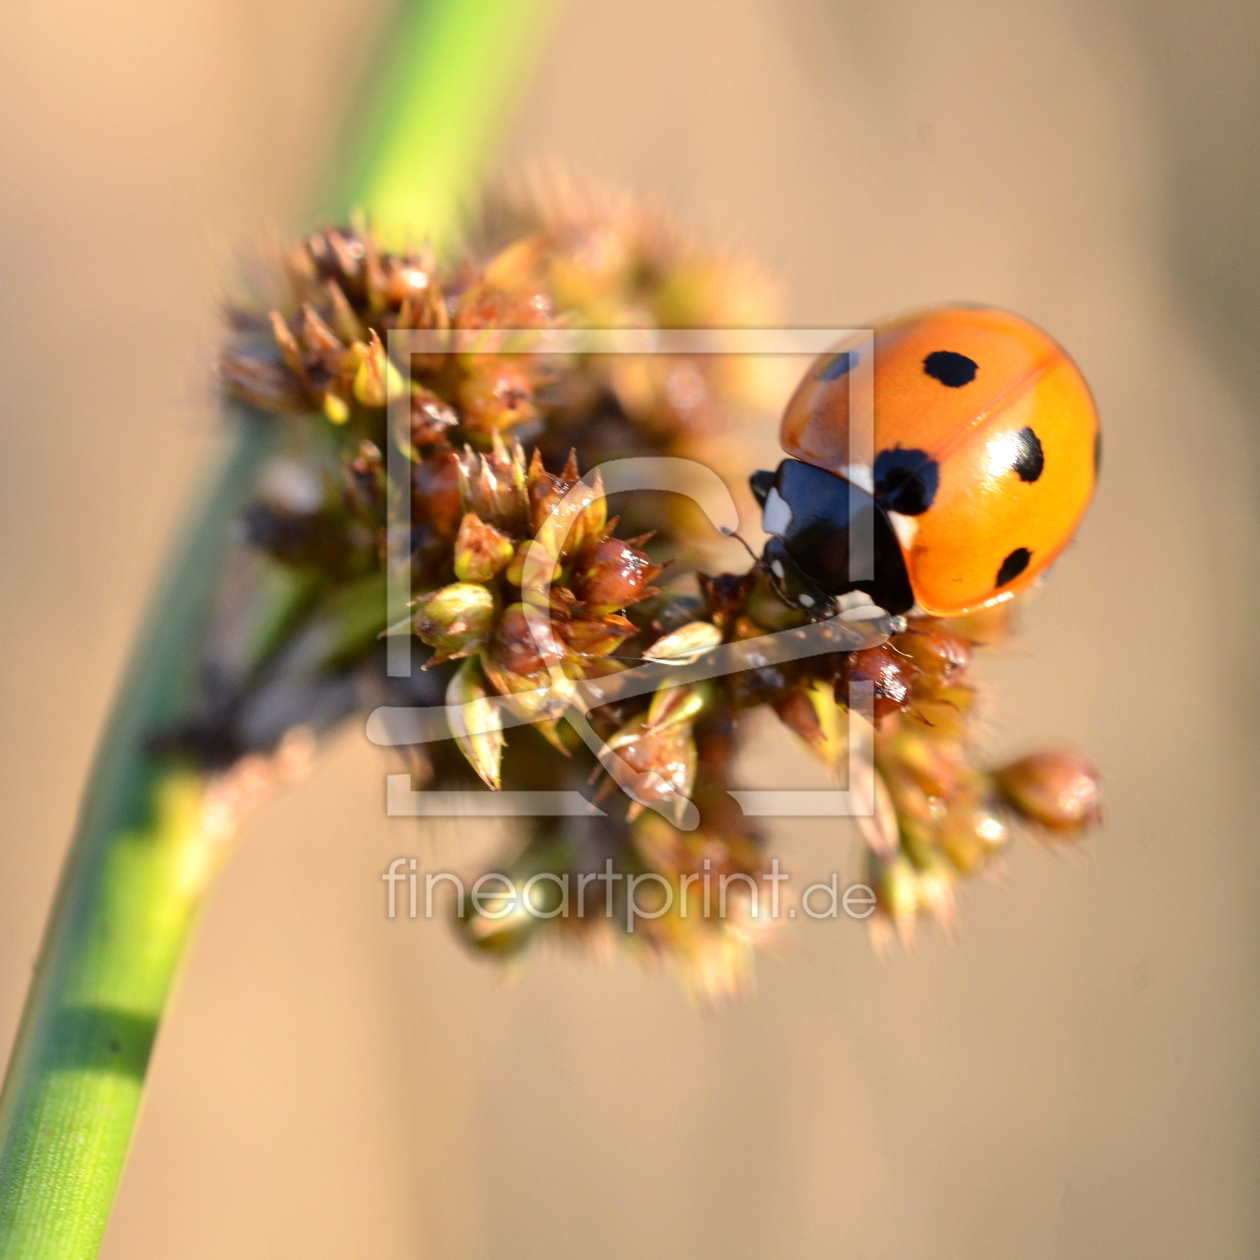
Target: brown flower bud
x=364, y=494
x=545, y=492
x=1059, y=790
x=493, y=486
x=938, y=653
x=812, y=713
x=888, y=672
x=514, y=648
x=431, y=416
x=455, y=621
x=518, y=671
x=653, y=764
x=481, y=551
x=565, y=513
x=435, y=497
x=595, y=636
x=612, y=574
x=496, y=393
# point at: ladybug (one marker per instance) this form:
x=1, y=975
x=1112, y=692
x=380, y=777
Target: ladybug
x=986, y=449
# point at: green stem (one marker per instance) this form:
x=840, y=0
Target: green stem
x=435, y=108
x=146, y=847
x=140, y=862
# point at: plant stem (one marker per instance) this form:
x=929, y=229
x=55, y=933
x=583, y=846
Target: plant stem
x=135, y=876
x=456, y=68
x=144, y=854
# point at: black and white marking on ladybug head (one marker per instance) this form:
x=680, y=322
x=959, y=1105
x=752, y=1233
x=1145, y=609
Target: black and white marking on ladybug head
x=951, y=368
x=829, y=538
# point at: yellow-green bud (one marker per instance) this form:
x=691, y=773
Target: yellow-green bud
x=481, y=551
x=456, y=620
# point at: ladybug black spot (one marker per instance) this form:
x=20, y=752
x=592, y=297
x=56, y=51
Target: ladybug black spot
x=951, y=368
x=1031, y=459
x=840, y=365
x=906, y=481
x=1097, y=451
x=1013, y=566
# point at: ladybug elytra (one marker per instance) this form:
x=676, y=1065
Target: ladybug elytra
x=985, y=457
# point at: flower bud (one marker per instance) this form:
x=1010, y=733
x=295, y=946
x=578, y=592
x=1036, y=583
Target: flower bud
x=518, y=672
x=652, y=764
x=475, y=721
x=376, y=379
x=456, y=620
x=672, y=705
x=1060, y=790
x=887, y=672
x=514, y=648
x=812, y=713
x=481, y=551
x=938, y=654
x=686, y=645
x=496, y=393
x=612, y=574
x=972, y=833
x=431, y=416
x=596, y=636
x=493, y=486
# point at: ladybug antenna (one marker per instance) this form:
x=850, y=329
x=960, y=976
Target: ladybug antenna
x=732, y=533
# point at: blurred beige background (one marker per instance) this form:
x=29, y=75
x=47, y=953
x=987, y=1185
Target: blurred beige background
x=1077, y=1076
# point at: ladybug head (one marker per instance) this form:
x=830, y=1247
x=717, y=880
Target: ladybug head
x=831, y=545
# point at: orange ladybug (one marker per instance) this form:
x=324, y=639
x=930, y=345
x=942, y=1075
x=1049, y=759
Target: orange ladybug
x=986, y=449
